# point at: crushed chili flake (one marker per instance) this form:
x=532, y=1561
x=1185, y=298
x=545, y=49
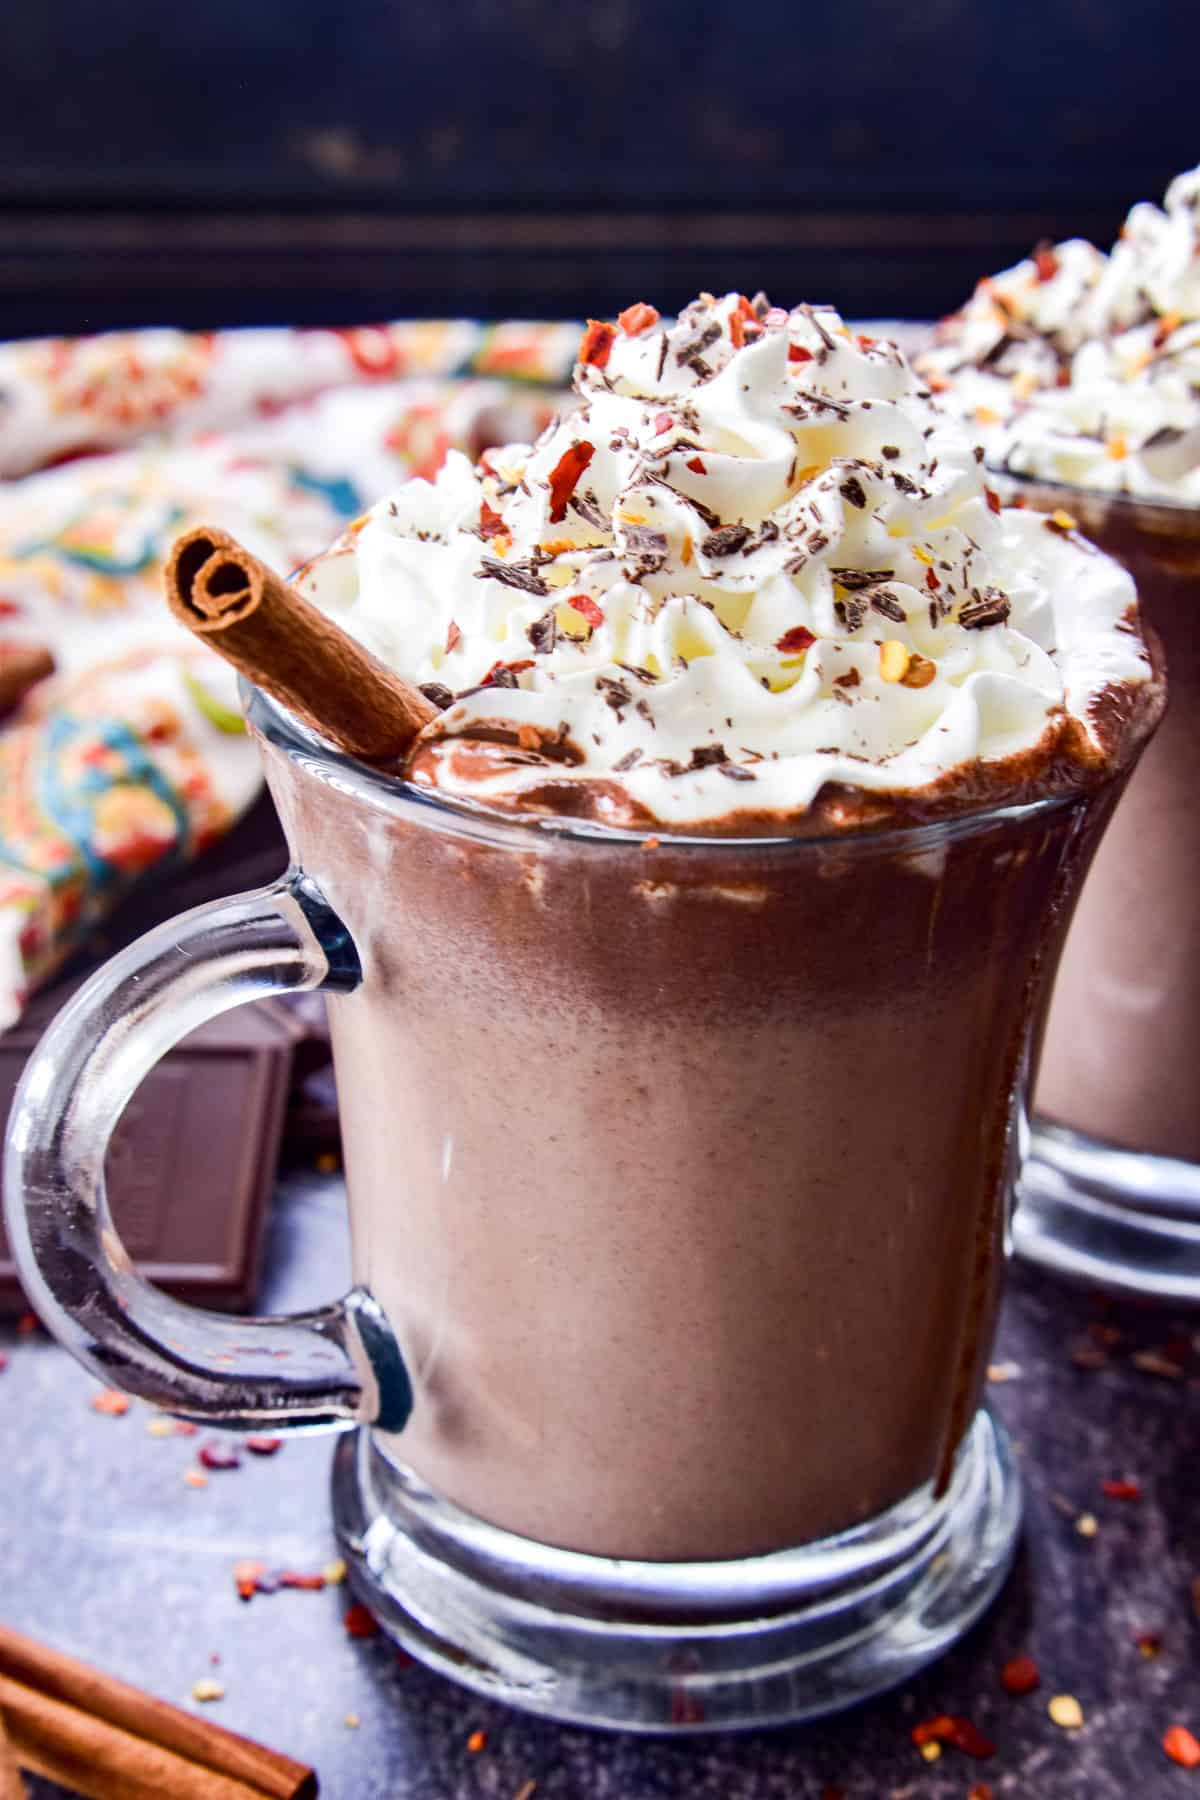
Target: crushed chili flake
x=245, y=1576
x=491, y=523
x=980, y=1790
x=798, y=354
x=297, y=1578
x=264, y=1446
x=1152, y=1362
x=696, y=466
x=477, y=1742
x=737, y=330
x=992, y=498
x=1148, y=1642
x=111, y=1402
x=216, y=1455
x=587, y=609
x=798, y=638
x=637, y=318
x=184, y=1428
x=663, y=421
x=1045, y=262
x=564, y=477
x=595, y=346
x=949, y=1728
x=195, y=1478
x=931, y=581
x=1066, y=1712
x=1121, y=1490
x=1020, y=1675
x=1181, y=1746
x=864, y=342
x=359, y=1622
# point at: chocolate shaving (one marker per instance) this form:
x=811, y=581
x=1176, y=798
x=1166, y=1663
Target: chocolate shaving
x=648, y=545
x=587, y=508
x=850, y=679
x=852, y=490
x=515, y=575
x=543, y=633
x=615, y=692
x=725, y=541
x=855, y=579
x=662, y=355
x=903, y=483
x=822, y=402
x=736, y=772
x=891, y=451
x=850, y=613
x=631, y=756
x=991, y=608
x=704, y=756
x=441, y=696
x=690, y=354
x=817, y=326
x=886, y=603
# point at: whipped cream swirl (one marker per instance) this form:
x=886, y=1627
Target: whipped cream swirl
x=1085, y=368
x=753, y=567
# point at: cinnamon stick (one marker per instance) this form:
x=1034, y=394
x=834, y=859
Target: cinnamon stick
x=111, y=1741
x=11, y=1785
x=291, y=649
x=22, y=666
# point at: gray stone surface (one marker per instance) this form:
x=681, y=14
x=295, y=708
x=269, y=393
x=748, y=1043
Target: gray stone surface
x=110, y=1555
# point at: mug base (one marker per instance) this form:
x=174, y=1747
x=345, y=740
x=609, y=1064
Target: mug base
x=678, y=1647
x=1123, y=1220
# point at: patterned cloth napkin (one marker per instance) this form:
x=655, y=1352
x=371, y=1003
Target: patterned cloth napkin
x=130, y=756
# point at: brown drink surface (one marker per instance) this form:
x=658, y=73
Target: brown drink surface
x=671, y=1168
x=1122, y=1043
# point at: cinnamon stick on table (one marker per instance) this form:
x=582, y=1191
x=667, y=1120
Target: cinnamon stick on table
x=291, y=649
x=110, y=1741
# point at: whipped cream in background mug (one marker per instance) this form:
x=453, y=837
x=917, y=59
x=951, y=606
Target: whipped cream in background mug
x=1082, y=367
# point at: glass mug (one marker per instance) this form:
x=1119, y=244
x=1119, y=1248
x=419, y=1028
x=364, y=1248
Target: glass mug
x=679, y=1175
x=1110, y=1190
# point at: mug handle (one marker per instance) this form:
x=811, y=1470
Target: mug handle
x=334, y=1367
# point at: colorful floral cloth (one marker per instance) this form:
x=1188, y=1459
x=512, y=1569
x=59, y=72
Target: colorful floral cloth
x=131, y=758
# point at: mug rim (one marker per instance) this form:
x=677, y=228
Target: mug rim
x=473, y=819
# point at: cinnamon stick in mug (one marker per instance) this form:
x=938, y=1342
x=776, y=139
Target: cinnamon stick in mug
x=291, y=649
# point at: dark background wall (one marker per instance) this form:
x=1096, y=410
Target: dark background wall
x=244, y=160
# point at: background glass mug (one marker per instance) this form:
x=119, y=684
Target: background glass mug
x=1110, y=1191
x=678, y=1178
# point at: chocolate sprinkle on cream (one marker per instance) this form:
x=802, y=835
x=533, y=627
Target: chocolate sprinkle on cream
x=514, y=575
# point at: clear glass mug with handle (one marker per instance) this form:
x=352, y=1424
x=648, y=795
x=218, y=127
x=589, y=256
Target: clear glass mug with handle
x=679, y=1177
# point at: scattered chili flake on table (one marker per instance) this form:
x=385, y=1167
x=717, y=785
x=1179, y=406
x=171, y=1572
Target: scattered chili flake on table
x=264, y=1446
x=696, y=466
x=111, y=1402
x=798, y=354
x=1148, y=1642
x=351, y=1721
x=216, y=1455
x=245, y=1576
x=476, y=1742
x=952, y=1729
x=159, y=1428
x=1152, y=1362
x=1124, y=1489
x=1004, y=1371
x=982, y=1790
x=359, y=1622
x=1066, y=1711
x=195, y=1478
x=306, y=1583
x=1181, y=1746
x=1020, y=1675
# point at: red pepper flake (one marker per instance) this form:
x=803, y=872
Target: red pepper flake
x=1148, y=1642
x=491, y=523
x=587, y=609
x=798, y=638
x=958, y=1731
x=597, y=342
x=564, y=477
x=245, y=1576
x=634, y=320
x=980, y=1790
x=1020, y=1675
x=477, y=1742
x=931, y=581
x=1121, y=1490
x=111, y=1402
x=184, y=1428
x=216, y=1455
x=798, y=354
x=1181, y=1746
x=452, y=636
x=992, y=498
x=864, y=342
x=1045, y=262
x=294, y=1578
x=264, y=1446
x=662, y=422
x=359, y=1622
x=696, y=466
